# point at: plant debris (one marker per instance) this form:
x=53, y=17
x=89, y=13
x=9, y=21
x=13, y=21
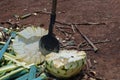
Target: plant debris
x=84, y=23
x=10, y=64
x=30, y=14
x=88, y=40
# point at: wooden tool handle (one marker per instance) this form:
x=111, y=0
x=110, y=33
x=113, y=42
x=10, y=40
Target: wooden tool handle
x=52, y=16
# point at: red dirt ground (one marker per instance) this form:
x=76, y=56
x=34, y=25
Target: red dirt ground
x=79, y=11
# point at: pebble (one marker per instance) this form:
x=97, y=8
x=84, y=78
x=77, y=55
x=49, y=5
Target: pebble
x=34, y=14
x=92, y=79
x=95, y=62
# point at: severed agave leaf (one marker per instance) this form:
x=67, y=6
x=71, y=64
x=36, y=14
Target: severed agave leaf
x=26, y=45
x=8, y=68
x=65, y=64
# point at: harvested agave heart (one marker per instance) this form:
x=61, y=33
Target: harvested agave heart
x=65, y=64
x=26, y=45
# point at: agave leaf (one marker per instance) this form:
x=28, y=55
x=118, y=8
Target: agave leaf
x=12, y=58
x=24, y=77
x=5, y=77
x=18, y=74
x=2, y=73
x=31, y=75
x=32, y=72
x=3, y=50
x=8, y=68
x=1, y=44
x=39, y=78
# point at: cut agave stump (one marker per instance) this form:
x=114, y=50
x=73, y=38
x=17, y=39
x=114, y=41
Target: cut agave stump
x=65, y=64
x=26, y=45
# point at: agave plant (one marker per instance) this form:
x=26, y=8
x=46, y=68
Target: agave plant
x=65, y=64
x=26, y=45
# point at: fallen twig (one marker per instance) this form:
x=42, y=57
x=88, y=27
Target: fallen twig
x=69, y=43
x=97, y=42
x=30, y=14
x=62, y=27
x=84, y=23
x=92, y=75
x=85, y=49
x=89, y=64
x=86, y=38
x=42, y=12
x=25, y=16
x=73, y=29
x=82, y=44
x=70, y=47
x=63, y=31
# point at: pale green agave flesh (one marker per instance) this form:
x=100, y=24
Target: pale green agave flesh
x=66, y=69
x=26, y=45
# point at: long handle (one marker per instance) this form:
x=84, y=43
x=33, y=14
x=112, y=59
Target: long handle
x=52, y=16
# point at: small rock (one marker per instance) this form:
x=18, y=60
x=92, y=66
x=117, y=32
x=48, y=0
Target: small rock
x=45, y=9
x=9, y=20
x=59, y=12
x=25, y=9
x=89, y=64
x=17, y=28
x=95, y=62
x=67, y=38
x=16, y=16
x=64, y=41
x=34, y=14
x=93, y=73
x=92, y=79
x=58, y=38
x=85, y=77
x=11, y=28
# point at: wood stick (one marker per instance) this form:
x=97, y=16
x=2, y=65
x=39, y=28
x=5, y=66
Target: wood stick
x=84, y=23
x=97, y=42
x=73, y=29
x=88, y=40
